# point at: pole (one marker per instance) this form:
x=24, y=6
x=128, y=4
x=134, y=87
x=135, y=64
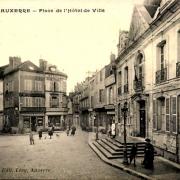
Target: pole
x=97, y=128
x=125, y=160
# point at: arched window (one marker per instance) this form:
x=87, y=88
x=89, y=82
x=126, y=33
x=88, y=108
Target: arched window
x=139, y=66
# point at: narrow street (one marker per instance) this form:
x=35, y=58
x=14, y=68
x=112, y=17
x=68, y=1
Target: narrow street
x=62, y=157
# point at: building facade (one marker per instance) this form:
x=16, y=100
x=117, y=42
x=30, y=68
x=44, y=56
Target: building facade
x=149, y=66
x=25, y=96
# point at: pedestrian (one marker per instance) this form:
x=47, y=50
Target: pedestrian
x=31, y=138
x=40, y=134
x=73, y=130
x=148, y=155
x=50, y=132
x=67, y=131
x=113, y=130
x=133, y=154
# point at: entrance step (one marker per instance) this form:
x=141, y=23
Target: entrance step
x=105, y=152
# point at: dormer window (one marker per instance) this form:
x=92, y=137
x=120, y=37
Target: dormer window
x=52, y=68
x=31, y=67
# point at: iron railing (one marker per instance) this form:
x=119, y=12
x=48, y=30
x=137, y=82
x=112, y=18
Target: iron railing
x=178, y=69
x=139, y=84
x=161, y=76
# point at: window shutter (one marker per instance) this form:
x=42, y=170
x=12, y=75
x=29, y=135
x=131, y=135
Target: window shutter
x=154, y=114
x=167, y=114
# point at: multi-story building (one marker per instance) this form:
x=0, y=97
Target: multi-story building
x=74, y=104
x=110, y=89
x=84, y=104
x=1, y=98
x=26, y=96
x=148, y=76
x=55, y=95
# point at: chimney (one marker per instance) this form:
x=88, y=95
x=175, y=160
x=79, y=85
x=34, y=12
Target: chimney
x=112, y=57
x=14, y=61
x=43, y=64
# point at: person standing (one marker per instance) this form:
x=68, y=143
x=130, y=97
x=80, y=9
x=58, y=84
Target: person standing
x=73, y=130
x=148, y=155
x=31, y=138
x=40, y=134
x=113, y=130
x=133, y=154
x=50, y=132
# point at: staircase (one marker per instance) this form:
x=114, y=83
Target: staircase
x=113, y=148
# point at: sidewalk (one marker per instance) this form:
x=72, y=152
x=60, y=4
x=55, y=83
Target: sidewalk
x=163, y=168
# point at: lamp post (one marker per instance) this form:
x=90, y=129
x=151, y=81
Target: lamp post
x=124, y=110
x=97, y=127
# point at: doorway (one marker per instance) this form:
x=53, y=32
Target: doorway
x=142, y=118
x=33, y=123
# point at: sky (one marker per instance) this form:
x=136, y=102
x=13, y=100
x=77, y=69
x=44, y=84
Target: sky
x=76, y=42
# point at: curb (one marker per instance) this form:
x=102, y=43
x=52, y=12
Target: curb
x=169, y=162
x=116, y=165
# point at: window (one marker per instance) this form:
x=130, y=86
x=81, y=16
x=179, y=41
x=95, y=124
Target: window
x=38, y=86
x=28, y=85
x=110, y=95
x=119, y=78
x=38, y=102
x=101, y=95
x=126, y=75
x=126, y=80
x=92, y=101
x=161, y=49
x=28, y=102
x=54, y=102
x=161, y=113
x=162, y=56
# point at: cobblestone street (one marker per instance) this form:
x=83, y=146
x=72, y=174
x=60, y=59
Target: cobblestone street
x=62, y=157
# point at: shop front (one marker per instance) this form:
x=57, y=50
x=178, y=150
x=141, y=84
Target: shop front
x=33, y=122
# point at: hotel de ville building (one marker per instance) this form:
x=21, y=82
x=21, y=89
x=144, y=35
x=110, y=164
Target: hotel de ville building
x=148, y=74
x=145, y=76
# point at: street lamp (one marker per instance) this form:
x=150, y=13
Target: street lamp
x=97, y=127
x=124, y=110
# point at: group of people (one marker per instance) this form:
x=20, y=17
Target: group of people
x=148, y=154
x=50, y=133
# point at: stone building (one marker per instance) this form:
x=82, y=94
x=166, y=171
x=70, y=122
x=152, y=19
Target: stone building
x=1, y=97
x=55, y=95
x=26, y=96
x=148, y=76
x=110, y=90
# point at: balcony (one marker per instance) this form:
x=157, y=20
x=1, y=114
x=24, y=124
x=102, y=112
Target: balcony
x=32, y=109
x=139, y=84
x=161, y=76
x=126, y=88
x=120, y=90
x=178, y=69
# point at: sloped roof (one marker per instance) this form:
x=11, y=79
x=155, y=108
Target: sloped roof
x=2, y=69
x=25, y=66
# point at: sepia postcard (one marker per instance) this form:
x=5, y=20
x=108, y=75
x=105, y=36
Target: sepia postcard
x=90, y=90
